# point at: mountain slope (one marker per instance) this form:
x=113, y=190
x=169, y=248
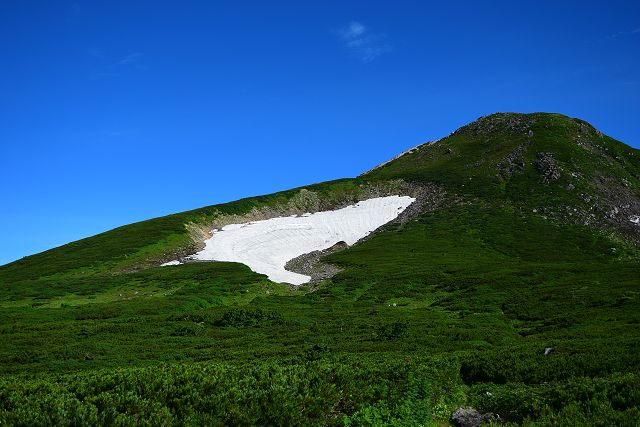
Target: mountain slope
x=523, y=237
x=544, y=161
x=559, y=167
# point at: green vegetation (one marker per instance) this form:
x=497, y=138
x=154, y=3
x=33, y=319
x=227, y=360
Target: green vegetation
x=453, y=307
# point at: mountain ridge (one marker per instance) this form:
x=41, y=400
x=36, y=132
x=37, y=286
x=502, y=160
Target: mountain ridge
x=509, y=285
x=518, y=125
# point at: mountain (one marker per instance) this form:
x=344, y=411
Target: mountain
x=511, y=284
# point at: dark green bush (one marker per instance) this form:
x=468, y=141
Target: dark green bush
x=185, y=331
x=530, y=366
x=250, y=317
x=392, y=331
x=313, y=393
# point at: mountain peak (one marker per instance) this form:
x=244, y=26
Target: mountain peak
x=519, y=123
x=550, y=164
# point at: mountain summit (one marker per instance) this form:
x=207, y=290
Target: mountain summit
x=505, y=279
x=544, y=165
x=559, y=167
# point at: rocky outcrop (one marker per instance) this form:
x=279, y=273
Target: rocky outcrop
x=547, y=166
x=470, y=417
x=310, y=265
x=513, y=163
x=618, y=205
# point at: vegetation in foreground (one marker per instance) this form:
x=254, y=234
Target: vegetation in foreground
x=454, y=307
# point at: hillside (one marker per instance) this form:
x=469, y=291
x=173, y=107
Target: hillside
x=524, y=236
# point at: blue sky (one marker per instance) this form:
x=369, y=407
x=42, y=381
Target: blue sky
x=114, y=112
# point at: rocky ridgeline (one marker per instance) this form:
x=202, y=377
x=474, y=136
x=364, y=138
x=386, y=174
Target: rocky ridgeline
x=523, y=124
x=499, y=123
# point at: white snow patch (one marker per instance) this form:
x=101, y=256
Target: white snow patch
x=176, y=262
x=266, y=246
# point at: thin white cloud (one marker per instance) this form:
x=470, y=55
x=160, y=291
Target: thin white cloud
x=624, y=33
x=363, y=44
x=110, y=66
x=130, y=58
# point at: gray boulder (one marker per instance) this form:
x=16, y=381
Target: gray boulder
x=547, y=166
x=470, y=417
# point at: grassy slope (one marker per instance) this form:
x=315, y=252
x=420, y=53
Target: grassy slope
x=81, y=266
x=425, y=316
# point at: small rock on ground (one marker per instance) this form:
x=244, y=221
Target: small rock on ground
x=470, y=417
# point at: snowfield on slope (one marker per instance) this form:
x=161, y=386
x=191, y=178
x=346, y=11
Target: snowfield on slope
x=266, y=246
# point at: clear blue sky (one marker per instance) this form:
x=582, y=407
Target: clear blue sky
x=118, y=111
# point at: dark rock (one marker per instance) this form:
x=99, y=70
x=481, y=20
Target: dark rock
x=470, y=417
x=584, y=128
x=618, y=206
x=310, y=264
x=514, y=162
x=547, y=166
